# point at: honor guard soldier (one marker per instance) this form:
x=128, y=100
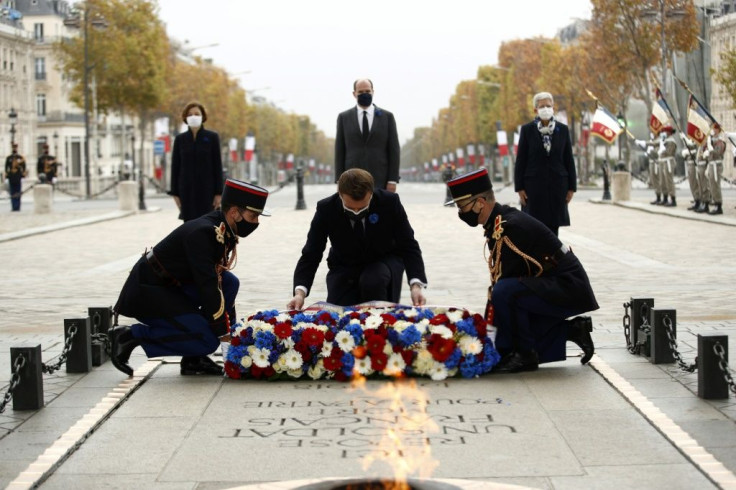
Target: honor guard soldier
x=15, y=171
x=715, y=148
x=536, y=281
x=182, y=291
x=666, y=153
x=46, y=167
x=654, y=169
x=689, y=153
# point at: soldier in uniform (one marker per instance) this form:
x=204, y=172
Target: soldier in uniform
x=666, y=153
x=46, y=166
x=702, y=169
x=716, y=147
x=182, y=291
x=654, y=169
x=15, y=171
x=689, y=153
x=536, y=280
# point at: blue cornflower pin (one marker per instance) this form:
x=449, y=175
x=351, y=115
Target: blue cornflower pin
x=378, y=111
x=373, y=218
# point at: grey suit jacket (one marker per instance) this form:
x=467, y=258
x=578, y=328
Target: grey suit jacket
x=379, y=155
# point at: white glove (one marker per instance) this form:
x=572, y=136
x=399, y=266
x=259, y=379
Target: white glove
x=706, y=154
x=734, y=152
x=685, y=153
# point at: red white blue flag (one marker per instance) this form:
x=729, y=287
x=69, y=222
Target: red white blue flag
x=605, y=125
x=660, y=119
x=698, y=121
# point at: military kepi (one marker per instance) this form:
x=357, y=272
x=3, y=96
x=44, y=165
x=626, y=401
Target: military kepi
x=470, y=184
x=245, y=195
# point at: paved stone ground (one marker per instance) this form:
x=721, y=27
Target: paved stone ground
x=570, y=428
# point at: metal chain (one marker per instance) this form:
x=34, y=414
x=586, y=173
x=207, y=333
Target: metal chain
x=105, y=339
x=690, y=368
x=644, y=328
x=18, y=365
x=627, y=329
x=49, y=369
x=723, y=364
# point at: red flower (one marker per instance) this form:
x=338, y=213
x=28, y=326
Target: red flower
x=283, y=330
x=354, y=315
x=440, y=319
x=379, y=361
x=340, y=376
x=312, y=336
x=481, y=326
x=388, y=319
x=269, y=371
x=329, y=336
x=440, y=348
x=325, y=319
x=232, y=370
x=256, y=371
x=408, y=356
x=272, y=320
x=235, y=341
x=375, y=344
x=332, y=363
x=302, y=348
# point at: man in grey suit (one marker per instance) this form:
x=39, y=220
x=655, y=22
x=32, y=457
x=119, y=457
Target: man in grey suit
x=367, y=138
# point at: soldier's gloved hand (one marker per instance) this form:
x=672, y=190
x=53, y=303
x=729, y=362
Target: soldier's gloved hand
x=706, y=154
x=685, y=153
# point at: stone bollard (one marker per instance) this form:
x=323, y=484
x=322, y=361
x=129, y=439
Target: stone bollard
x=28, y=395
x=42, y=198
x=711, y=381
x=127, y=195
x=621, y=186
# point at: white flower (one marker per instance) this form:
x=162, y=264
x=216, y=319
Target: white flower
x=372, y=321
x=260, y=357
x=246, y=362
x=251, y=350
x=260, y=326
x=438, y=371
x=294, y=373
x=282, y=317
x=455, y=316
x=375, y=311
x=423, y=362
x=401, y=325
x=388, y=349
x=316, y=371
x=237, y=330
x=345, y=341
x=326, y=349
x=293, y=359
x=422, y=326
x=288, y=343
x=395, y=365
x=411, y=313
x=363, y=366
x=441, y=330
x=280, y=365
x=470, y=345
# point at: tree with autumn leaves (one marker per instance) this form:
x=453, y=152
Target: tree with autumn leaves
x=136, y=70
x=618, y=57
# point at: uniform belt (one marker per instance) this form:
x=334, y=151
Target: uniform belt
x=158, y=268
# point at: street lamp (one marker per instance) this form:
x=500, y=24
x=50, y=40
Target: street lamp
x=84, y=23
x=661, y=15
x=56, y=145
x=13, y=116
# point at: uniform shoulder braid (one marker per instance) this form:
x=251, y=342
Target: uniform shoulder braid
x=494, y=261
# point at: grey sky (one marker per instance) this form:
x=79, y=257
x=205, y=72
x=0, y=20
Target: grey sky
x=309, y=52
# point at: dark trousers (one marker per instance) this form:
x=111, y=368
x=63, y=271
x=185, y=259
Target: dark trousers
x=15, y=190
x=188, y=334
x=377, y=281
x=527, y=322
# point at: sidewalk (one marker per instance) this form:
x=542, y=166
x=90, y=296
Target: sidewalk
x=564, y=426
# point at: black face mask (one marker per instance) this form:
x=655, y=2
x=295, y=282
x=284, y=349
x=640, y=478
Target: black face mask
x=470, y=217
x=365, y=100
x=355, y=217
x=245, y=228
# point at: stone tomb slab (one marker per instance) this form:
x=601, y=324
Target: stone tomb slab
x=491, y=427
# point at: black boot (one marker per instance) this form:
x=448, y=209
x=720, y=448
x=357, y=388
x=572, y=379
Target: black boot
x=200, y=365
x=695, y=206
x=672, y=202
x=703, y=208
x=123, y=344
x=718, y=209
x=516, y=362
x=663, y=202
x=579, y=329
x=656, y=201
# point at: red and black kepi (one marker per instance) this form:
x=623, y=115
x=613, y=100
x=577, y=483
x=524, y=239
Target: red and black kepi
x=468, y=185
x=245, y=195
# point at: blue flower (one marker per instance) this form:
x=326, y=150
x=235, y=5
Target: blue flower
x=356, y=331
x=471, y=368
x=410, y=336
x=348, y=362
x=302, y=318
x=454, y=358
x=373, y=218
x=265, y=340
x=467, y=326
x=378, y=111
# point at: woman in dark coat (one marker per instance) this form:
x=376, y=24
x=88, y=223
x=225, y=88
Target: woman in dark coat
x=196, y=166
x=544, y=174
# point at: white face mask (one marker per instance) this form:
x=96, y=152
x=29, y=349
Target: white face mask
x=545, y=113
x=194, y=121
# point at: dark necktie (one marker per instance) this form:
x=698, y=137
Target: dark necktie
x=359, y=229
x=365, y=127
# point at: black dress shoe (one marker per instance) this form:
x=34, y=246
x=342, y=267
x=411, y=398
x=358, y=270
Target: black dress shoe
x=123, y=344
x=579, y=332
x=516, y=362
x=200, y=365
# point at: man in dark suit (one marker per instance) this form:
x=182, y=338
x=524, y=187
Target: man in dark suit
x=544, y=173
x=367, y=138
x=536, y=281
x=372, y=242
